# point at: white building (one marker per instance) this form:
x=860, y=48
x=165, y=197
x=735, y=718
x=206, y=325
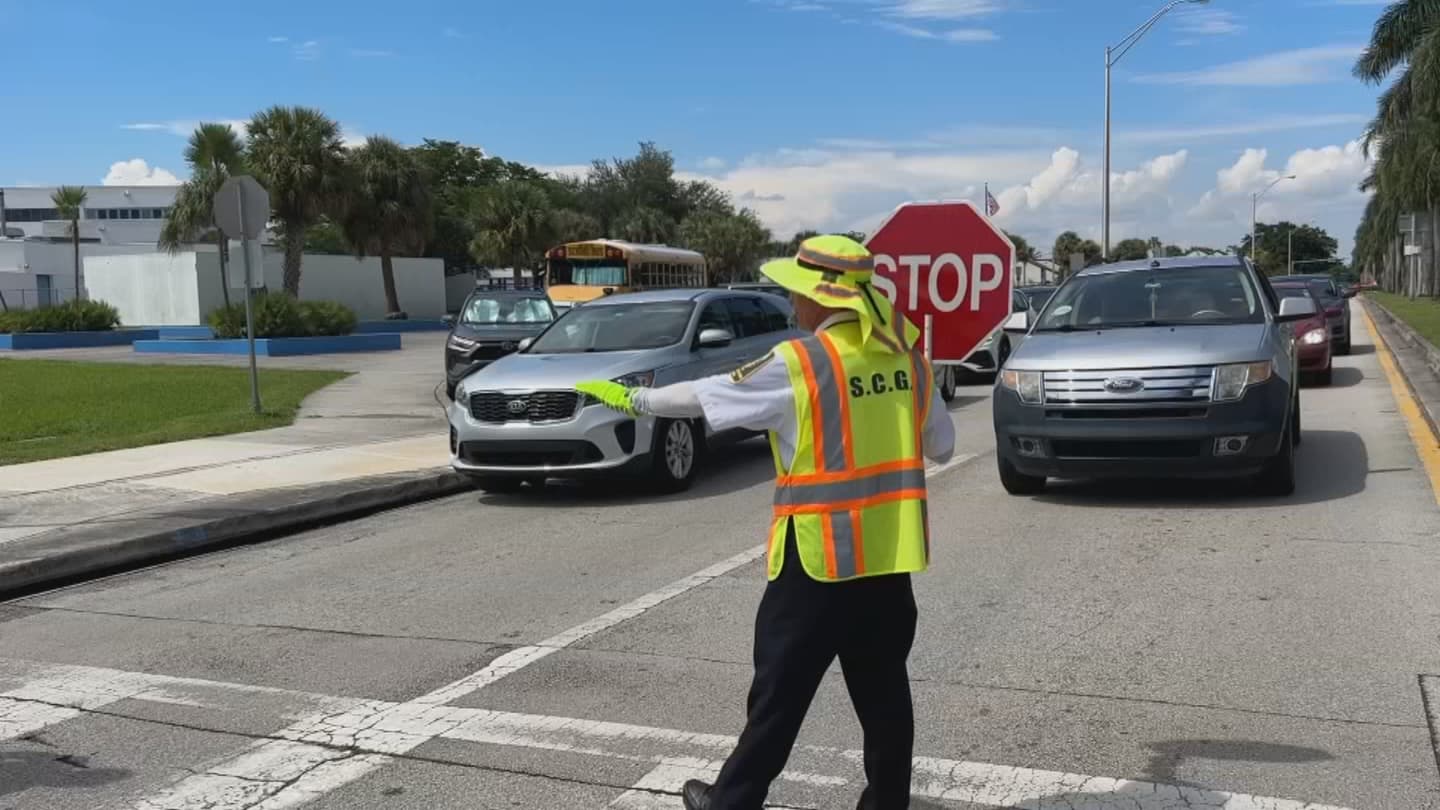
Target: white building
x=37, y=262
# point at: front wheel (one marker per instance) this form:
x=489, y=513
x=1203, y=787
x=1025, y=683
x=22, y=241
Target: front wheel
x=676, y=454
x=1016, y=482
x=1004, y=354
x=1278, y=476
x=947, y=383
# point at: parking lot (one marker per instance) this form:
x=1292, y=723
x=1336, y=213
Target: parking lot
x=1214, y=648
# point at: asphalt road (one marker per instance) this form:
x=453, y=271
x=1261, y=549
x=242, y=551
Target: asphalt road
x=1123, y=646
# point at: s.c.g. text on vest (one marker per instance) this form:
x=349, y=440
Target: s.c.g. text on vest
x=879, y=384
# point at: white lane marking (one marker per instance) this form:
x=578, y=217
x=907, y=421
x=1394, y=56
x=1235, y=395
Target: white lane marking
x=394, y=728
x=518, y=659
x=21, y=717
x=933, y=470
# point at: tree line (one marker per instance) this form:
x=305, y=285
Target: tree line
x=1280, y=246
x=447, y=200
x=1404, y=140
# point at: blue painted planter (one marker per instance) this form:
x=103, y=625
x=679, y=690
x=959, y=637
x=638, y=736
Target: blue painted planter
x=20, y=341
x=380, y=327
x=185, y=332
x=275, y=347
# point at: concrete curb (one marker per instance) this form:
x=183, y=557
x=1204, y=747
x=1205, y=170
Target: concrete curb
x=1417, y=359
x=247, y=523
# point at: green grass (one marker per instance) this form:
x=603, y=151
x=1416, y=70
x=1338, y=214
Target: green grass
x=1423, y=314
x=50, y=409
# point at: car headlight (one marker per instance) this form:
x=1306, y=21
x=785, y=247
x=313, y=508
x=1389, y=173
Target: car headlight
x=988, y=341
x=461, y=344
x=635, y=379
x=1030, y=385
x=1314, y=337
x=1231, y=381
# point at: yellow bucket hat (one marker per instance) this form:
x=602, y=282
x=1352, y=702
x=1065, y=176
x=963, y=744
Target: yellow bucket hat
x=835, y=271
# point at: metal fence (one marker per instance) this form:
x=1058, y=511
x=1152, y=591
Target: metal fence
x=33, y=298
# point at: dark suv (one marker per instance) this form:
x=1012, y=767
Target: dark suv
x=490, y=325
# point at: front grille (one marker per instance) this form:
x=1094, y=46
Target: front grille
x=490, y=351
x=1124, y=412
x=1110, y=448
x=533, y=406
x=1158, y=392
x=546, y=453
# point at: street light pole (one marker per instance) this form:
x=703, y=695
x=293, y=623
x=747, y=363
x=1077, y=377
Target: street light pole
x=1254, y=207
x=1113, y=54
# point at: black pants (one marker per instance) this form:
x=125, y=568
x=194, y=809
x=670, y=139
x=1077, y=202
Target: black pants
x=801, y=627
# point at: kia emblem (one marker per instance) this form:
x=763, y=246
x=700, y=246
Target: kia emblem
x=517, y=406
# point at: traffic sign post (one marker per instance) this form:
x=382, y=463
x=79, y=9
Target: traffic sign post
x=242, y=207
x=949, y=270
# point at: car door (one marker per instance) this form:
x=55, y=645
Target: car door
x=714, y=314
x=749, y=316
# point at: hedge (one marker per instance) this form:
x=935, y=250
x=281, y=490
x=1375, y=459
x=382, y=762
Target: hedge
x=279, y=315
x=71, y=316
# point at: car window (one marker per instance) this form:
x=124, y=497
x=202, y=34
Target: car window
x=748, y=316
x=1018, y=302
x=617, y=327
x=499, y=309
x=776, y=318
x=1181, y=296
x=716, y=316
x=1323, y=289
x=1268, y=290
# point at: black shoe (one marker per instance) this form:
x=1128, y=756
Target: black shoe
x=696, y=795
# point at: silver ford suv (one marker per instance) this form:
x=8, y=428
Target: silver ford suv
x=520, y=420
x=1165, y=367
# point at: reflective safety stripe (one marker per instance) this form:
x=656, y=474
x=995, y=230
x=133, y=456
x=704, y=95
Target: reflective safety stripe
x=836, y=291
x=844, y=537
x=860, y=489
x=831, y=422
x=840, y=264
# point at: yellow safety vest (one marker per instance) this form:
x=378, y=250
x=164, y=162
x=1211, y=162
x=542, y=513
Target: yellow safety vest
x=855, y=490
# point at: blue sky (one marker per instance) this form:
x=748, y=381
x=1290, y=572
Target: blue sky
x=816, y=113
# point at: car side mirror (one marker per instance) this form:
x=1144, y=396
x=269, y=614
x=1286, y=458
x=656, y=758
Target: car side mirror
x=448, y=320
x=524, y=344
x=715, y=338
x=1350, y=293
x=1018, y=322
x=1296, y=309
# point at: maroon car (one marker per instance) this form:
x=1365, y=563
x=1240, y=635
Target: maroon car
x=1312, y=335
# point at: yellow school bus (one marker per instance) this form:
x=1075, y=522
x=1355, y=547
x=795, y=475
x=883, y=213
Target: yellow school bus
x=577, y=272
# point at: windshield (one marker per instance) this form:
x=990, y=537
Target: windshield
x=1039, y=296
x=616, y=328
x=486, y=310
x=1322, y=290
x=1187, y=296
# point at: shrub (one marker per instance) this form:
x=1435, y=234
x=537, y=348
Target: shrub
x=327, y=318
x=279, y=315
x=71, y=316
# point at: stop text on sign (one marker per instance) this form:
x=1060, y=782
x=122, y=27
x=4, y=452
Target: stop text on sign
x=948, y=283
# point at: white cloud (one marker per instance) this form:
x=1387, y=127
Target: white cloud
x=711, y=164
x=136, y=172
x=952, y=35
x=278, y=40
x=351, y=138
x=1247, y=127
x=307, y=51
x=1282, y=69
x=944, y=9
x=183, y=127
x=371, y=53
x=969, y=35
x=1209, y=21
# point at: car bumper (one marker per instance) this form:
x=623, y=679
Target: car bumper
x=980, y=361
x=1167, y=447
x=596, y=441
x=1313, y=357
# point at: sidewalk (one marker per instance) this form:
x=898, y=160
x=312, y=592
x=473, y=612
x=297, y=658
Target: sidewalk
x=375, y=440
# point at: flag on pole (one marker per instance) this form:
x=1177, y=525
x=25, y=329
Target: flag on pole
x=992, y=205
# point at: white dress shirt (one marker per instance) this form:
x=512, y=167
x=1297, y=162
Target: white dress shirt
x=765, y=401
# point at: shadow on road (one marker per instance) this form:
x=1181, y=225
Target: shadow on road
x=1344, y=377
x=22, y=770
x=729, y=467
x=1329, y=465
x=1169, y=755
x=964, y=401
x=1362, y=349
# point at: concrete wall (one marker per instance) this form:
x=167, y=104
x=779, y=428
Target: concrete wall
x=153, y=289
x=420, y=283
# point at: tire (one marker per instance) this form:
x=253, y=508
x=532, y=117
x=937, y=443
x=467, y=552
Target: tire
x=1277, y=479
x=1016, y=482
x=1004, y=354
x=1327, y=376
x=947, y=383
x=1344, y=347
x=675, y=454
x=1296, y=435
x=498, y=486
x=450, y=391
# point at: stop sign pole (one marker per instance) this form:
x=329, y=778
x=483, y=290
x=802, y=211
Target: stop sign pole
x=949, y=270
x=242, y=206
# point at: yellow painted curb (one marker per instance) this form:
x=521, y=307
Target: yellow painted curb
x=1427, y=445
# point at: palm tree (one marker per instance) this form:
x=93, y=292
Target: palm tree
x=514, y=224
x=296, y=154
x=215, y=153
x=68, y=201
x=386, y=206
x=1401, y=38
x=645, y=225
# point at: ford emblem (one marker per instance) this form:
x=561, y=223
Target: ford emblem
x=1124, y=385
x=517, y=406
